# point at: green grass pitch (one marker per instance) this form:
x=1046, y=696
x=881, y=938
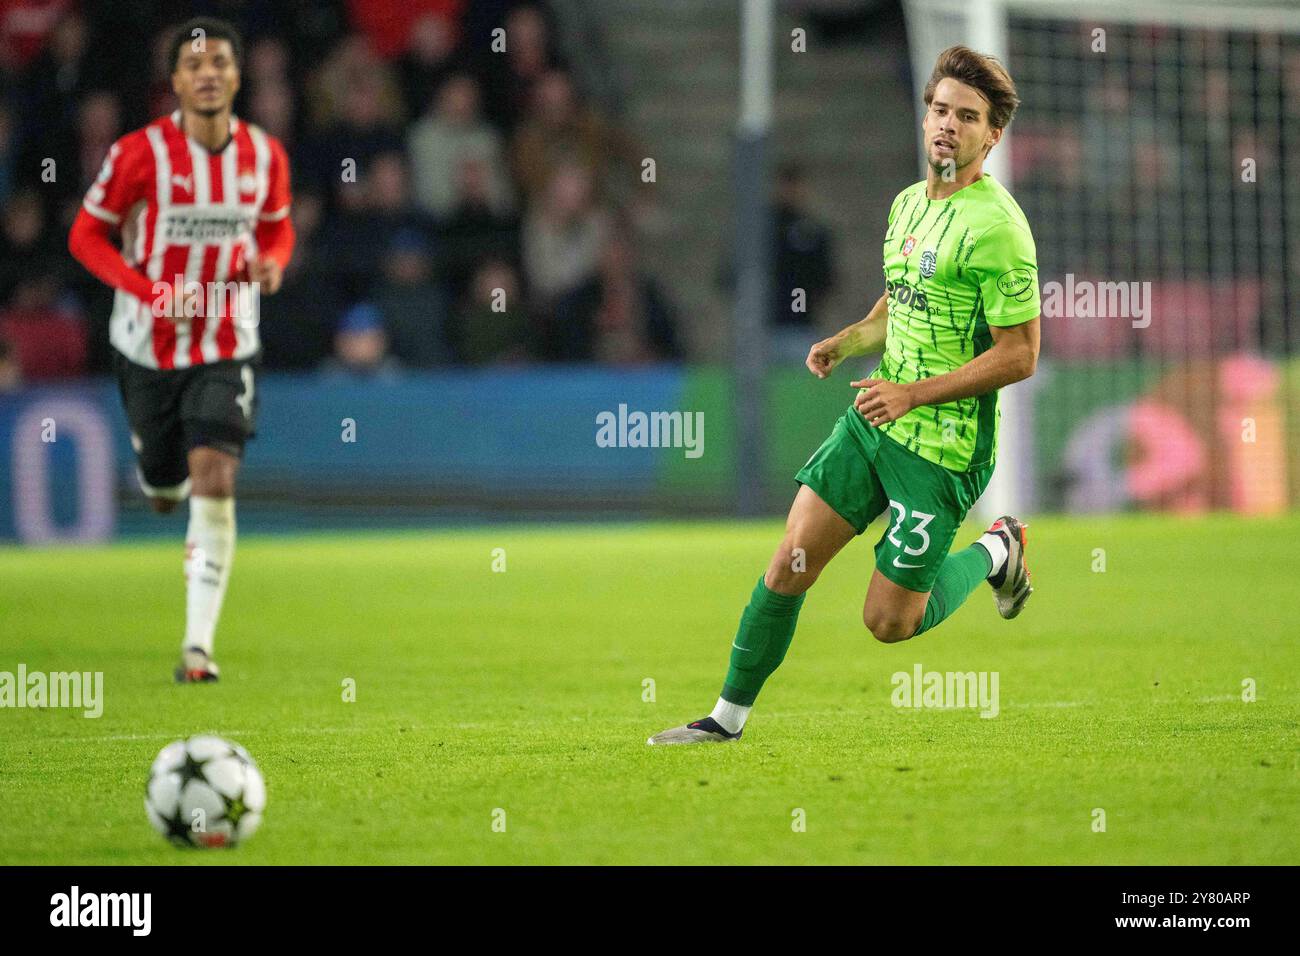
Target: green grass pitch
x=523, y=691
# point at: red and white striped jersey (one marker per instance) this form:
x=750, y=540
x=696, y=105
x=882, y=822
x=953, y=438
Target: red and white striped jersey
x=186, y=211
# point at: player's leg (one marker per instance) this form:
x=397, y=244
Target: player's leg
x=918, y=583
x=163, y=499
x=814, y=534
x=838, y=497
x=151, y=400
x=218, y=412
x=893, y=613
x=210, y=551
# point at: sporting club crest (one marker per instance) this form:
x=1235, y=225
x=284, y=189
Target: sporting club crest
x=928, y=262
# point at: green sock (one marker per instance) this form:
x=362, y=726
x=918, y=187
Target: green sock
x=961, y=574
x=766, y=629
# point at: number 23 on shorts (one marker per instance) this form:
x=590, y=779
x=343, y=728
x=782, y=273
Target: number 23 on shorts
x=922, y=519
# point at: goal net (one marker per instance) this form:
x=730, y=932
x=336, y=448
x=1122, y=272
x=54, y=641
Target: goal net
x=1155, y=156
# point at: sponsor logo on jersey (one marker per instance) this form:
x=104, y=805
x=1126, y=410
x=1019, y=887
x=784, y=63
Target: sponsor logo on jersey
x=928, y=262
x=904, y=294
x=184, y=226
x=1017, y=284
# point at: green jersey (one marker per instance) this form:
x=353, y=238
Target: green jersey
x=953, y=267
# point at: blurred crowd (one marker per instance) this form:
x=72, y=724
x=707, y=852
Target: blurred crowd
x=1167, y=160
x=454, y=204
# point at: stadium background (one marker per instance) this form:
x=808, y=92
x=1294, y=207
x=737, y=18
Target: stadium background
x=1165, y=158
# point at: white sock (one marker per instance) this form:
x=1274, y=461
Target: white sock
x=209, y=549
x=997, y=549
x=731, y=717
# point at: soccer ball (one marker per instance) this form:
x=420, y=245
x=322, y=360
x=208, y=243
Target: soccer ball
x=205, y=792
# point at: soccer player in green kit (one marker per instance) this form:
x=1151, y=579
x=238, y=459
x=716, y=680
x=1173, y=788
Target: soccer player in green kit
x=959, y=319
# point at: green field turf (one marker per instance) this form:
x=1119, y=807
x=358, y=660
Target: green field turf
x=523, y=691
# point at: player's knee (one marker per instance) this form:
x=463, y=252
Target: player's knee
x=212, y=475
x=888, y=628
x=163, y=506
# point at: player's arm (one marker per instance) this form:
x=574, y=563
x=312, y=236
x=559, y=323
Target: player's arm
x=91, y=243
x=119, y=186
x=860, y=338
x=1012, y=357
x=275, y=245
x=274, y=233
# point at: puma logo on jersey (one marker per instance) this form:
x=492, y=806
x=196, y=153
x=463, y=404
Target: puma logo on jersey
x=186, y=183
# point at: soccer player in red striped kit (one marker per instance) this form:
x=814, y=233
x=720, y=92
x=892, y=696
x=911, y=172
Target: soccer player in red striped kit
x=200, y=201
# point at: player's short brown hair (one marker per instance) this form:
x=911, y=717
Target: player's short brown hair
x=985, y=74
x=213, y=29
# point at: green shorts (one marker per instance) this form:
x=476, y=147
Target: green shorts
x=862, y=473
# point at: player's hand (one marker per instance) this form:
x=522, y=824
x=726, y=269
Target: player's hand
x=267, y=273
x=882, y=401
x=823, y=357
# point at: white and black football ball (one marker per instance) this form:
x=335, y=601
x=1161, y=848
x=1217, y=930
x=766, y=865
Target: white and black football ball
x=205, y=792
